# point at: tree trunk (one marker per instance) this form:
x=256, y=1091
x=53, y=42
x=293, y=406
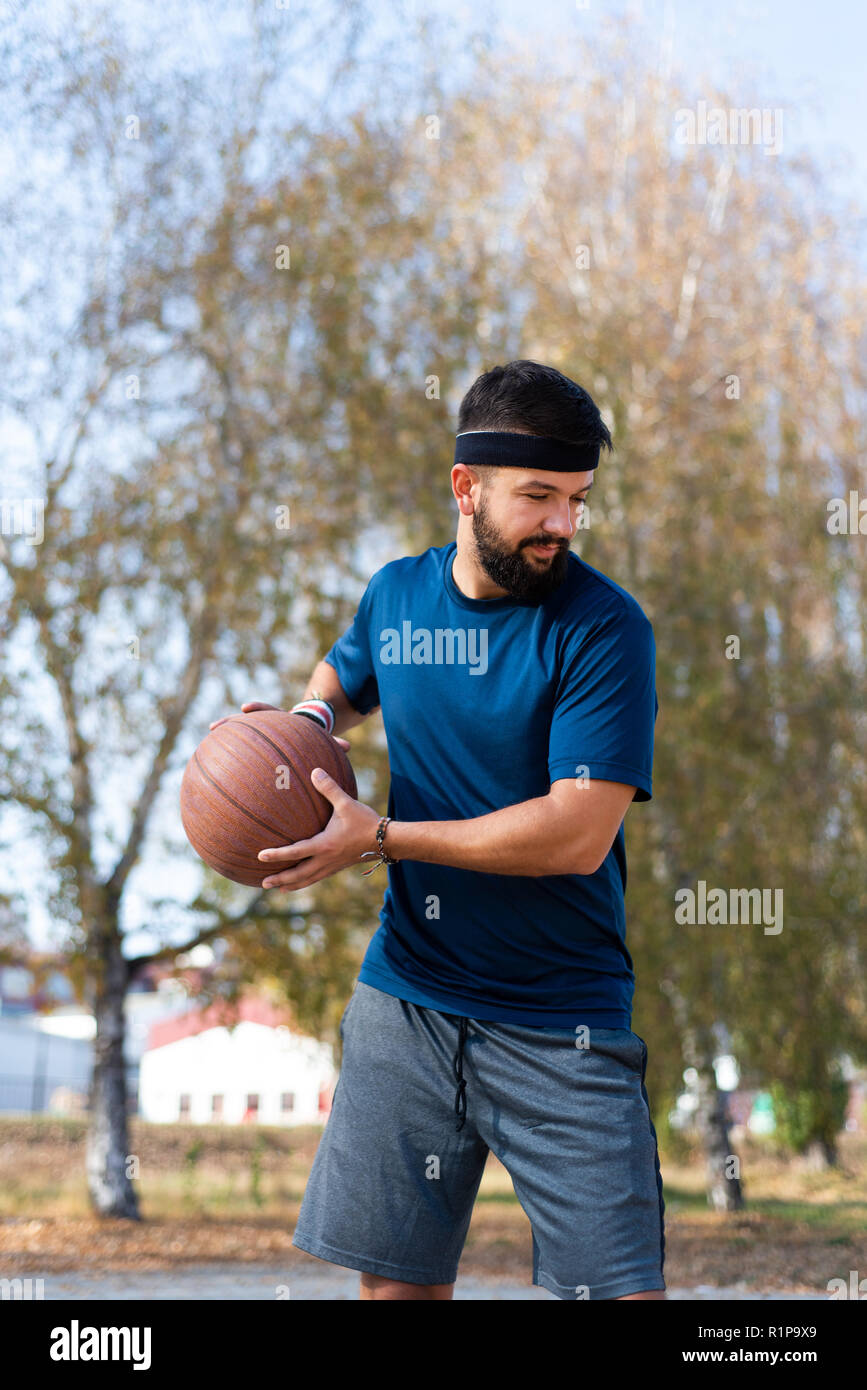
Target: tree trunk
x=722, y=1166
x=820, y=1155
x=108, y=1181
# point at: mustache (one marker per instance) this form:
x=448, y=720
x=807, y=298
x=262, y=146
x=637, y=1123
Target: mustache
x=561, y=545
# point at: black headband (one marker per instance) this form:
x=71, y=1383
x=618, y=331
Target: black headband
x=505, y=449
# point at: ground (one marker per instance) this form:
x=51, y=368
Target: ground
x=229, y=1197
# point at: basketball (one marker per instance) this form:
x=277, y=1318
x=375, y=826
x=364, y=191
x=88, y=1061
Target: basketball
x=247, y=788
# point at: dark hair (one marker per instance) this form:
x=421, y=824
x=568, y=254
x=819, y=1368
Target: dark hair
x=533, y=399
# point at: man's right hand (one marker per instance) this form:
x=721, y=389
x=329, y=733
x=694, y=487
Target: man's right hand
x=245, y=709
x=256, y=704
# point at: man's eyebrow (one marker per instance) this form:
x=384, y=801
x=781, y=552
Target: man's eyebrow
x=550, y=487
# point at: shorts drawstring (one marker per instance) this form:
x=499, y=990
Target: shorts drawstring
x=461, y=1097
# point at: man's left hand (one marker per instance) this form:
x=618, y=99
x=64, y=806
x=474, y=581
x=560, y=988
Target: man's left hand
x=349, y=834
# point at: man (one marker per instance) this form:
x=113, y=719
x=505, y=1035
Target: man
x=493, y=1007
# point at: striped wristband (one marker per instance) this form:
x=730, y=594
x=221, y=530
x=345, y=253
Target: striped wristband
x=319, y=710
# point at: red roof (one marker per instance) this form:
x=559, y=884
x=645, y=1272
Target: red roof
x=218, y=1015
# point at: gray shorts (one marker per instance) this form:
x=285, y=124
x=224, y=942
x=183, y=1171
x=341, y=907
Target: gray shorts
x=422, y=1097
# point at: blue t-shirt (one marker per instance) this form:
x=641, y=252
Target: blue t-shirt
x=485, y=703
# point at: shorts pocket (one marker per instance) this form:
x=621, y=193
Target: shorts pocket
x=620, y=1045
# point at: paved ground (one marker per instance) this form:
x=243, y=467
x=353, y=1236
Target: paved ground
x=244, y=1281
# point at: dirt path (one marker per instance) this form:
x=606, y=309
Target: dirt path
x=234, y=1282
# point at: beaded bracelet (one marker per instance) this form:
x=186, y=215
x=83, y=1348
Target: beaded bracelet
x=382, y=857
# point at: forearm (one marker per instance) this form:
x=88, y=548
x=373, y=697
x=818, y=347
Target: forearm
x=533, y=838
x=326, y=684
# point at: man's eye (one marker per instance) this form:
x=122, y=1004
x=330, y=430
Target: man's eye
x=543, y=497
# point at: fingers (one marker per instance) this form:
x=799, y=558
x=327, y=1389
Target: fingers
x=328, y=787
x=293, y=879
x=285, y=878
x=250, y=706
x=287, y=853
x=344, y=742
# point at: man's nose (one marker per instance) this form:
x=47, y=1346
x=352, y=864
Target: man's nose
x=560, y=522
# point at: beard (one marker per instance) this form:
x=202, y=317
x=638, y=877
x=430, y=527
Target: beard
x=519, y=574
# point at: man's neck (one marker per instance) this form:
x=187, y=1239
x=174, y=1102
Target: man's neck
x=469, y=576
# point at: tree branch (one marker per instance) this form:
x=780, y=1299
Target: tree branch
x=174, y=719
x=52, y=485
x=225, y=924
x=40, y=805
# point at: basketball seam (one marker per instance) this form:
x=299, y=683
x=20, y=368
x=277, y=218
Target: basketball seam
x=237, y=805
x=282, y=755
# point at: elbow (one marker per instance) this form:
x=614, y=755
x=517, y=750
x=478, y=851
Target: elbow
x=588, y=859
x=577, y=865
x=581, y=853
x=588, y=867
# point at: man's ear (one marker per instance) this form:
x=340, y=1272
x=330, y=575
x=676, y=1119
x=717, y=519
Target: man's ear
x=463, y=480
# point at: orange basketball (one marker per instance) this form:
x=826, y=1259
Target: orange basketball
x=247, y=788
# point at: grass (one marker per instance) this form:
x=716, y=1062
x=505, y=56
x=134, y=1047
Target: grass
x=211, y=1192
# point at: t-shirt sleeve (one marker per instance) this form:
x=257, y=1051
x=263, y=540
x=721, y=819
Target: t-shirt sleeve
x=351, y=656
x=606, y=705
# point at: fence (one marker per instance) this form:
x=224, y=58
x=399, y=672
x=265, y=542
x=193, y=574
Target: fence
x=48, y=1093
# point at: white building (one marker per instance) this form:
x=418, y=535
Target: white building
x=261, y=1069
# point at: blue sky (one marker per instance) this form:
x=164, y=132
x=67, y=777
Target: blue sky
x=811, y=54
x=808, y=57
